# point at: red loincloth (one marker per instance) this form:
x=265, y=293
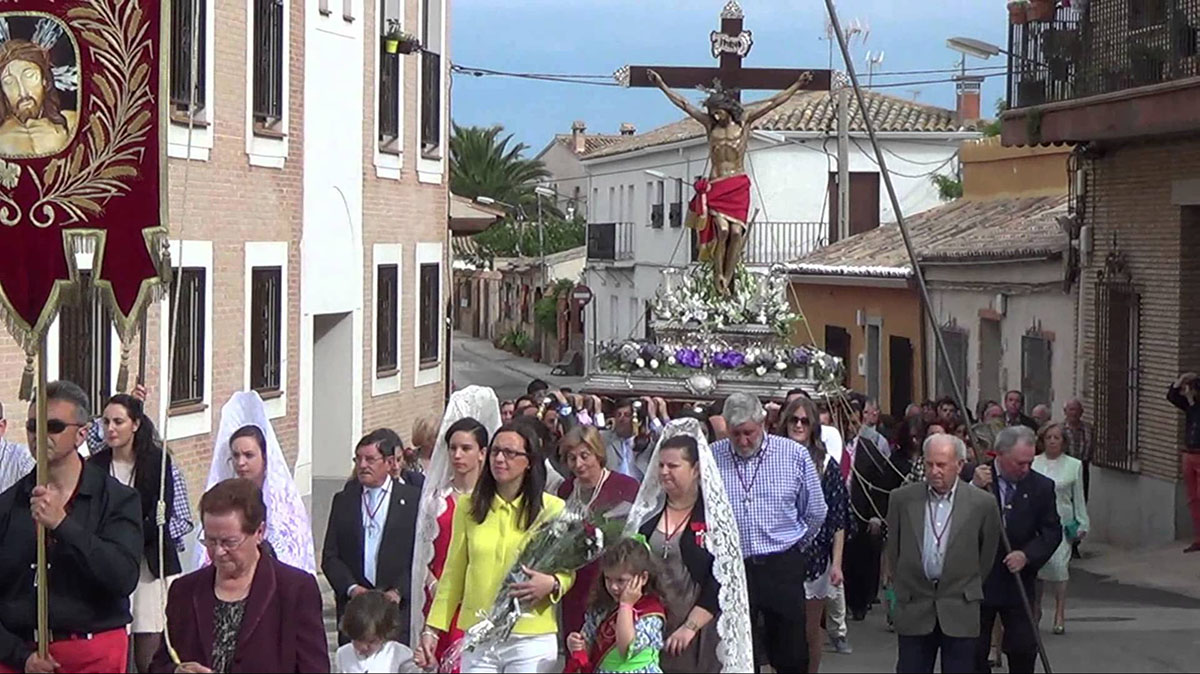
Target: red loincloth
x=103, y=652
x=729, y=196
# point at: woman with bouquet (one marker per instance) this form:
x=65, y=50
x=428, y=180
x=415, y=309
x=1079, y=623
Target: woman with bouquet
x=683, y=511
x=472, y=414
x=491, y=526
x=595, y=487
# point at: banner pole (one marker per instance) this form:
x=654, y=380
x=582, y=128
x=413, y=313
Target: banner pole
x=43, y=476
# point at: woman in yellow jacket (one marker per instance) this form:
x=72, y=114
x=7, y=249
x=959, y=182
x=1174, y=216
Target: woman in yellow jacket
x=491, y=526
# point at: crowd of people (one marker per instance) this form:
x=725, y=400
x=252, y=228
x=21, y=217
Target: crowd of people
x=753, y=535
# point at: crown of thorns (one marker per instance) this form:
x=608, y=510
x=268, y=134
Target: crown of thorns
x=722, y=98
x=46, y=35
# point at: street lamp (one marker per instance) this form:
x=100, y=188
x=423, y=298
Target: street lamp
x=972, y=47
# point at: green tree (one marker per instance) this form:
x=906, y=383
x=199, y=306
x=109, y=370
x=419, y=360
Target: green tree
x=483, y=164
x=949, y=187
x=992, y=128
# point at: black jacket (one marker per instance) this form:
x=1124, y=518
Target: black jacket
x=342, y=556
x=93, y=556
x=1191, y=427
x=1033, y=527
x=149, y=501
x=697, y=560
x=871, y=483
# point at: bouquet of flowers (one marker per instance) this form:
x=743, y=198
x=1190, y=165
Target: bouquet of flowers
x=566, y=542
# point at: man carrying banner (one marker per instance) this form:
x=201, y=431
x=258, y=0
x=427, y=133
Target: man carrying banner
x=94, y=544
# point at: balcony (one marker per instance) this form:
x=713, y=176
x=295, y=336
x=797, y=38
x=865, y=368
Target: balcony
x=777, y=242
x=610, y=241
x=1123, y=69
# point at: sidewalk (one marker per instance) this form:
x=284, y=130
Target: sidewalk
x=1164, y=568
x=521, y=368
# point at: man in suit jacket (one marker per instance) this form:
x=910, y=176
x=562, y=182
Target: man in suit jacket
x=1030, y=516
x=942, y=538
x=372, y=524
x=627, y=452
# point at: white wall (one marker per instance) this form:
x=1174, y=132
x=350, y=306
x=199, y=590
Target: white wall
x=1033, y=297
x=331, y=255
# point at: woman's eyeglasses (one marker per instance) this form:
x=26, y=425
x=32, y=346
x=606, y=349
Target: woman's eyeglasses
x=509, y=454
x=226, y=544
x=801, y=421
x=53, y=426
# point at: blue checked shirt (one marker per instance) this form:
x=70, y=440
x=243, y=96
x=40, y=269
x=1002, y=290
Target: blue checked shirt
x=780, y=506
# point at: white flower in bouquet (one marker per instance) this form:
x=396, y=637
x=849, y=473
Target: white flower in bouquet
x=780, y=365
x=760, y=370
x=653, y=363
x=671, y=360
x=640, y=362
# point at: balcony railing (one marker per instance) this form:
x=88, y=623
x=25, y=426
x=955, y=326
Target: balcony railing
x=1117, y=45
x=774, y=242
x=611, y=241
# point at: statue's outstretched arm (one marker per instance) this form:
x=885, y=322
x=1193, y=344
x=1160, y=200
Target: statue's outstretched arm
x=757, y=110
x=679, y=101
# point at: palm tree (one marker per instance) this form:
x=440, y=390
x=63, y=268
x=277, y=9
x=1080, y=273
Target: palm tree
x=483, y=164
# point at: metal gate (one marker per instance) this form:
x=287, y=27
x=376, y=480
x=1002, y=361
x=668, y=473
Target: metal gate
x=85, y=342
x=1116, y=382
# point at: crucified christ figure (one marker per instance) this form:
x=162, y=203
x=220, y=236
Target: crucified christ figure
x=720, y=208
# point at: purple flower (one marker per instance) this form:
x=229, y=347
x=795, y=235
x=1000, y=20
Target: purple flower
x=729, y=359
x=800, y=356
x=689, y=358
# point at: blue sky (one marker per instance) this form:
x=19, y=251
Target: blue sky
x=598, y=36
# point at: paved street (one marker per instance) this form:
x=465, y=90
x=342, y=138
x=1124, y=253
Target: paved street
x=476, y=361
x=1111, y=627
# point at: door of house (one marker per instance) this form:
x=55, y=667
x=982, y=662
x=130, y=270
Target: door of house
x=85, y=342
x=1116, y=382
x=837, y=343
x=990, y=354
x=900, y=360
x=864, y=203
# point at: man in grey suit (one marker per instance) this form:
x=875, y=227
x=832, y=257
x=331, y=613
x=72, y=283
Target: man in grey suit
x=942, y=540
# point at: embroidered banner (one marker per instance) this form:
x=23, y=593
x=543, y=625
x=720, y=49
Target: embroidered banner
x=82, y=165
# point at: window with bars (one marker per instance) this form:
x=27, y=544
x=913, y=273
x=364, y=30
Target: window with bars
x=188, y=19
x=387, y=308
x=389, y=83
x=430, y=304
x=1036, y=363
x=266, y=324
x=956, y=345
x=187, y=362
x=85, y=342
x=268, y=64
x=431, y=78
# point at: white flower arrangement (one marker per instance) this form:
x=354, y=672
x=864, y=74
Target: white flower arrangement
x=689, y=298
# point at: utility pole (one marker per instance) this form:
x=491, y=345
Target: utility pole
x=843, y=150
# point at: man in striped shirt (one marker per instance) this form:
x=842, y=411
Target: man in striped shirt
x=779, y=507
x=15, y=459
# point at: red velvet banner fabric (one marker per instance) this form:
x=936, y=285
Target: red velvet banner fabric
x=81, y=155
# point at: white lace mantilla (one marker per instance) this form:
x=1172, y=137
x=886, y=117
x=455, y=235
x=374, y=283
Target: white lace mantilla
x=735, y=649
x=479, y=403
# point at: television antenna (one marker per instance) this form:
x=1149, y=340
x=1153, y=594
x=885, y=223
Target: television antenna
x=874, y=61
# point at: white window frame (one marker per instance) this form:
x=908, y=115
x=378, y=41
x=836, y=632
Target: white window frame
x=201, y=135
x=192, y=254
x=433, y=171
x=387, y=164
x=877, y=323
x=381, y=254
x=268, y=254
x=83, y=262
x=264, y=151
x=428, y=253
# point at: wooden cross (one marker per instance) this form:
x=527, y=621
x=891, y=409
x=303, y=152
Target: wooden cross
x=730, y=45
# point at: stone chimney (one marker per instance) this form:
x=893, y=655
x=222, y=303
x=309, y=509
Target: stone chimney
x=628, y=129
x=578, y=136
x=968, y=89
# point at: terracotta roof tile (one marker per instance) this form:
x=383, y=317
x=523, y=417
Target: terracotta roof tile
x=591, y=142
x=992, y=229
x=807, y=111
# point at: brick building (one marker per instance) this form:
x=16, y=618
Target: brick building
x=1122, y=79
x=315, y=193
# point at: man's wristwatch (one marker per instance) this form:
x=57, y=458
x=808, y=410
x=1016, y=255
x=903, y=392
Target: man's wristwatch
x=557, y=589
x=691, y=625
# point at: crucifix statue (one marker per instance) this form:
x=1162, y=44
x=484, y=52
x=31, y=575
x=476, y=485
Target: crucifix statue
x=720, y=208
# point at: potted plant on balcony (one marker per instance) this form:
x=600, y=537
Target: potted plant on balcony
x=1042, y=10
x=1018, y=12
x=396, y=41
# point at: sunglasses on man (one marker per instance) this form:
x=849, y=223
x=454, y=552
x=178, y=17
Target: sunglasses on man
x=53, y=426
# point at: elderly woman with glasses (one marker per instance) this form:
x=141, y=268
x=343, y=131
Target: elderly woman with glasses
x=247, y=611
